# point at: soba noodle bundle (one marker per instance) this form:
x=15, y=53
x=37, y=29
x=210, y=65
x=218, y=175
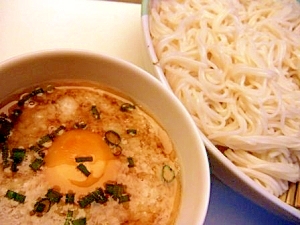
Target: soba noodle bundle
x=236, y=67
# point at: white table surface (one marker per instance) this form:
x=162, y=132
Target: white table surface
x=111, y=28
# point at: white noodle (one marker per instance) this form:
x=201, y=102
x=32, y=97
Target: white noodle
x=235, y=66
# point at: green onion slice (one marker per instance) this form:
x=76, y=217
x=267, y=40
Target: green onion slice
x=16, y=113
x=58, y=131
x=116, y=150
x=37, y=164
x=99, y=196
x=117, y=191
x=95, y=112
x=84, y=159
x=42, y=206
x=38, y=150
x=168, y=173
x=70, y=198
x=44, y=141
x=86, y=200
x=130, y=162
x=26, y=97
x=69, y=217
x=80, y=125
x=124, y=198
x=131, y=132
x=5, y=128
x=15, y=196
x=5, y=154
x=18, y=155
x=112, y=137
x=80, y=221
x=83, y=169
x=54, y=196
x=127, y=107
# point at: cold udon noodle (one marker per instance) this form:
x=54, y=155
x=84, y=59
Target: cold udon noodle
x=235, y=66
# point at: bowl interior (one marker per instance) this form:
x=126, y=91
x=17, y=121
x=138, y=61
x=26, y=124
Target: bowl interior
x=144, y=89
x=222, y=167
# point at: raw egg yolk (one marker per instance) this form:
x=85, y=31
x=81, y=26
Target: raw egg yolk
x=61, y=166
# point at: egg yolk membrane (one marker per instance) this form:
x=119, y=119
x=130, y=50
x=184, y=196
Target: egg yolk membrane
x=61, y=166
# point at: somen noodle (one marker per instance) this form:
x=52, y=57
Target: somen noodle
x=236, y=67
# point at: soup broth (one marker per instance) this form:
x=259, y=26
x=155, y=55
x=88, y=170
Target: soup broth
x=84, y=154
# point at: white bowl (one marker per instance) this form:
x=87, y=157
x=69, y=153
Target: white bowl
x=221, y=166
x=143, y=88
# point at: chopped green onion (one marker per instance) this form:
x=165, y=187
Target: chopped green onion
x=37, y=164
x=5, y=154
x=26, y=97
x=80, y=125
x=130, y=162
x=18, y=155
x=35, y=148
x=168, y=173
x=117, y=191
x=112, y=137
x=57, y=132
x=127, y=107
x=83, y=169
x=80, y=221
x=70, y=197
x=86, y=200
x=38, y=150
x=15, y=196
x=41, y=206
x=84, y=159
x=54, y=196
x=50, y=88
x=99, y=196
x=116, y=150
x=16, y=113
x=124, y=198
x=37, y=91
x=95, y=112
x=131, y=132
x=69, y=217
x=45, y=140
x=5, y=128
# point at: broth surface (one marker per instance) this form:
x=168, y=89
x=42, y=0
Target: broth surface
x=101, y=156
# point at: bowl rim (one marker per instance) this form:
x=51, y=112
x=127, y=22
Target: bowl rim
x=8, y=63
x=211, y=148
